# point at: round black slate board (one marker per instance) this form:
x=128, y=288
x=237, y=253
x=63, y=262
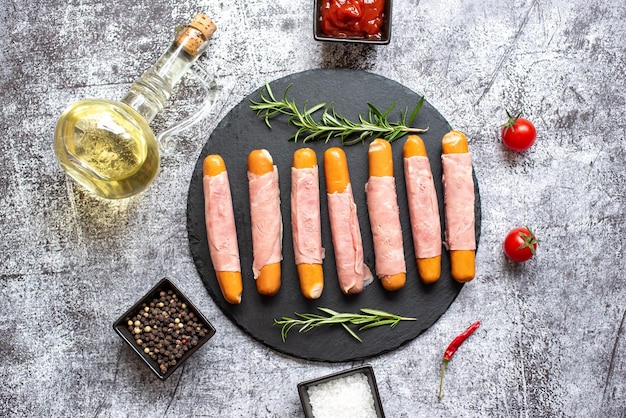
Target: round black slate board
x=239, y=133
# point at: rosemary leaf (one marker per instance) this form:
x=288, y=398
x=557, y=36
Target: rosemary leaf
x=315, y=108
x=378, y=324
x=417, y=109
x=374, y=312
x=328, y=311
x=347, y=328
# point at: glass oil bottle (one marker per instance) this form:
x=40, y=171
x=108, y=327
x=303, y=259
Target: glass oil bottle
x=108, y=146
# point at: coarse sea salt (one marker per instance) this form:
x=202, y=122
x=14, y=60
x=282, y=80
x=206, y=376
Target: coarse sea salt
x=344, y=397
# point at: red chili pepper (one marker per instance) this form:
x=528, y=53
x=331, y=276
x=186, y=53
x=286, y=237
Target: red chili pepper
x=454, y=345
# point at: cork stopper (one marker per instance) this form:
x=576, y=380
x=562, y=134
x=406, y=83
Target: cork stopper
x=193, y=37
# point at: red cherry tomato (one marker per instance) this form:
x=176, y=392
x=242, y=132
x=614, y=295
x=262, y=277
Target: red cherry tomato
x=520, y=244
x=518, y=134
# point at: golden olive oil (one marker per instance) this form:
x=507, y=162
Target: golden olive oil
x=107, y=147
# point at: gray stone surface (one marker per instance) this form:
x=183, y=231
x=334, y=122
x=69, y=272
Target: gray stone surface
x=553, y=339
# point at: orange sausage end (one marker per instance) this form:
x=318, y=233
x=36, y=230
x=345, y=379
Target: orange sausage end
x=336, y=170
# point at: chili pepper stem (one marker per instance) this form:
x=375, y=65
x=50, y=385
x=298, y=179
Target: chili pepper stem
x=443, y=370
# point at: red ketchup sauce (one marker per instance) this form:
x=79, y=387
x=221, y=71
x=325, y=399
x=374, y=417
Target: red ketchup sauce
x=352, y=18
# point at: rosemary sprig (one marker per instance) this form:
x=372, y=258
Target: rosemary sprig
x=369, y=318
x=332, y=124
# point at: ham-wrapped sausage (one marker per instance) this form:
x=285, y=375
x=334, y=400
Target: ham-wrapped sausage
x=353, y=274
x=220, y=225
x=423, y=209
x=267, y=223
x=306, y=222
x=384, y=214
x=458, y=185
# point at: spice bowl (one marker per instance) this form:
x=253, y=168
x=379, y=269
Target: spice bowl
x=343, y=17
x=353, y=390
x=164, y=328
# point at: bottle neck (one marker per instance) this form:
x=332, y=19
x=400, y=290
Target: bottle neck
x=149, y=94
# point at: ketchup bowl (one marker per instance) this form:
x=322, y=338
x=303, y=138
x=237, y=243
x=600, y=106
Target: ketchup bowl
x=356, y=21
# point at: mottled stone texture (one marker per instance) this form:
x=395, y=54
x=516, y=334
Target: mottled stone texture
x=553, y=339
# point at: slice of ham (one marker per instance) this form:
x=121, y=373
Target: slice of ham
x=384, y=217
x=459, y=201
x=266, y=220
x=353, y=274
x=220, y=223
x=423, y=207
x=305, y=216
